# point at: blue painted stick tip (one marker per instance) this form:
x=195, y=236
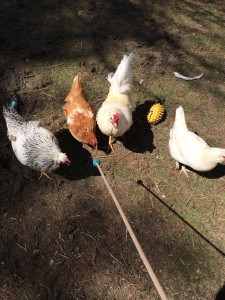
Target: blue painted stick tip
x=96, y=162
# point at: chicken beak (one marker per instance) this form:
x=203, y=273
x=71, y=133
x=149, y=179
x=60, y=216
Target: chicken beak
x=67, y=162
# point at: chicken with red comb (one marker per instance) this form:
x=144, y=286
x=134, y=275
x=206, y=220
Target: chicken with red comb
x=114, y=117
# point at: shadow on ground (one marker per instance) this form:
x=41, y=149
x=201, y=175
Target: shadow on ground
x=81, y=160
x=139, y=138
x=217, y=172
x=221, y=294
x=85, y=249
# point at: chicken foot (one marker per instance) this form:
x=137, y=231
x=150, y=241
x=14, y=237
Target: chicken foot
x=183, y=169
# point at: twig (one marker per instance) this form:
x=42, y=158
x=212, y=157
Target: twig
x=40, y=89
x=74, y=296
x=63, y=255
x=122, y=157
x=90, y=208
x=115, y=258
x=88, y=235
x=152, y=202
x=24, y=248
x=131, y=296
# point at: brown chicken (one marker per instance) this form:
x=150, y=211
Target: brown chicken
x=80, y=115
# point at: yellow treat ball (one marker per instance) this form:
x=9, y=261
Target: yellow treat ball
x=156, y=113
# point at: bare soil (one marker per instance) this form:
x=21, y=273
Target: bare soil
x=63, y=238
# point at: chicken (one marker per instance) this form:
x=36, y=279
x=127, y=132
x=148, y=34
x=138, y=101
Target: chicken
x=191, y=150
x=33, y=145
x=80, y=115
x=114, y=117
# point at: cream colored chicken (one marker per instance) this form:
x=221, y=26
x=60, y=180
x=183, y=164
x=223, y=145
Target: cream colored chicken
x=191, y=150
x=114, y=117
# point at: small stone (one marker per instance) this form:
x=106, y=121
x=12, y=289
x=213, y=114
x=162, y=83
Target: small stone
x=51, y=262
x=71, y=236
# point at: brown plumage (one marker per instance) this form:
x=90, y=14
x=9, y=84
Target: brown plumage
x=80, y=115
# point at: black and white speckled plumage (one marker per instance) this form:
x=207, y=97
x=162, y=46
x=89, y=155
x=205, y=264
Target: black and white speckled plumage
x=33, y=145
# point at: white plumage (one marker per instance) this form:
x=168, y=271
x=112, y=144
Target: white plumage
x=33, y=145
x=114, y=117
x=191, y=150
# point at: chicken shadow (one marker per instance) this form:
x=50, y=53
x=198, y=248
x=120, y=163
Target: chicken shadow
x=221, y=294
x=140, y=137
x=81, y=160
x=103, y=141
x=217, y=172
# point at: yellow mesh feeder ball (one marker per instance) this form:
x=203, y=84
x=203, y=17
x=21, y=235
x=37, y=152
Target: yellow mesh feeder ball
x=156, y=113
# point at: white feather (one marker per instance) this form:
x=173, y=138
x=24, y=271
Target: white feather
x=121, y=80
x=178, y=75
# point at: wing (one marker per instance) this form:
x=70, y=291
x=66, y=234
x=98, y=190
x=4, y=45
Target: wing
x=81, y=120
x=186, y=146
x=81, y=126
x=40, y=147
x=190, y=140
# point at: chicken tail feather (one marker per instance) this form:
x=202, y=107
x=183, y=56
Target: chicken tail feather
x=14, y=111
x=180, y=118
x=14, y=103
x=81, y=77
x=76, y=88
x=121, y=80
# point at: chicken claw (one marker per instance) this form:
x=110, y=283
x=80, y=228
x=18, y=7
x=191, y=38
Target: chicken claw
x=184, y=170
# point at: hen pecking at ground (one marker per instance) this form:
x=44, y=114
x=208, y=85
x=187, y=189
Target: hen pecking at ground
x=80, y=114
x=191, y=150
x=33, y=145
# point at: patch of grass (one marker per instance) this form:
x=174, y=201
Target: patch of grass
x=63, y=77
x=127, y=174
x=200, y=39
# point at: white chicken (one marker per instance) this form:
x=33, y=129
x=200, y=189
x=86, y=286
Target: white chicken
x=114, y=117
x=191, y=150
x=33, y=145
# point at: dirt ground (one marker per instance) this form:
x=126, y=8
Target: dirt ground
x=63, y=238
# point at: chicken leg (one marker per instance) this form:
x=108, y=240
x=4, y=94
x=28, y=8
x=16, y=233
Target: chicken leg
x=44, y=174
x=110, y=143
x=183, y=169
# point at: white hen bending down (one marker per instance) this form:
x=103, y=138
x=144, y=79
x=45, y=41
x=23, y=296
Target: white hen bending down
x=33, y=145
x=191, y=150
x=114, y=117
